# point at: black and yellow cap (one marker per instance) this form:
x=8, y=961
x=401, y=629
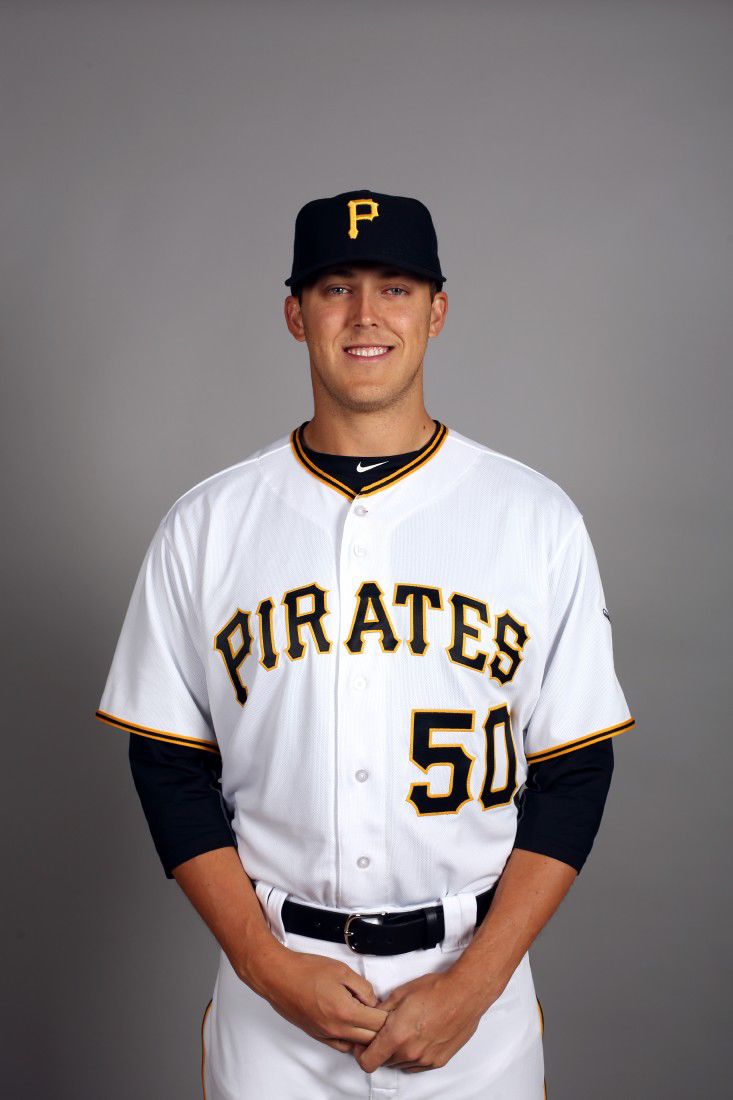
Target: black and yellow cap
x=367, y=226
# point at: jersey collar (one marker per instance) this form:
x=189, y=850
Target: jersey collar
x=429, y=449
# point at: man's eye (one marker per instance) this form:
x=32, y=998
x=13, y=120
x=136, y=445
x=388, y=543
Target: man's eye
x=332, y=290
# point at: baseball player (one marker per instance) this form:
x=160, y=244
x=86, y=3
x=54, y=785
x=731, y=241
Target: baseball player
x=367, y=673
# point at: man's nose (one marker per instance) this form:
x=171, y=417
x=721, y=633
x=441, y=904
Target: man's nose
x=365, y=308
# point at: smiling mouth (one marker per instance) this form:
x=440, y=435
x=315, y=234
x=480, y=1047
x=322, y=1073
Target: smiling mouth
x=370, y=351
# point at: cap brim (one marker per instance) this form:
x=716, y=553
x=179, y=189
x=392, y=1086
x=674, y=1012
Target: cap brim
x=414, y=269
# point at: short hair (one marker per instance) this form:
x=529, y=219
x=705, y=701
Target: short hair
x=297, y=290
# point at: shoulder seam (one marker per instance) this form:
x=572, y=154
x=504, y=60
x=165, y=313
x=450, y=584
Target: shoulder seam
x=491, y=453
x=565, y=540
x=254, y=458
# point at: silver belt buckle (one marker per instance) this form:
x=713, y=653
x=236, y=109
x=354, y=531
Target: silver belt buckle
x=347, y=927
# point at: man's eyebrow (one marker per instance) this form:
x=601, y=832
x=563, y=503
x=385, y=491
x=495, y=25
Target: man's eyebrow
x=348, y=272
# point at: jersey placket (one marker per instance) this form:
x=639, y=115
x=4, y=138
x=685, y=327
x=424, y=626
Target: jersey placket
x=360, y=751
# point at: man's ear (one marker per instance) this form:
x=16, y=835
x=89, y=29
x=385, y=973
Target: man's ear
x=438, y=311
x=294, y=317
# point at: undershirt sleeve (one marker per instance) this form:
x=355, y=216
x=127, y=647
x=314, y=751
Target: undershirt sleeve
x=179, y=790
x=562, y=803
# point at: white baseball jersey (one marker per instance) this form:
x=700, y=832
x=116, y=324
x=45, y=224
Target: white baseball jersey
x=376, y=669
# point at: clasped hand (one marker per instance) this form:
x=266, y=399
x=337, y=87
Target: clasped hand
x=419, y=1026
x=429, y=1019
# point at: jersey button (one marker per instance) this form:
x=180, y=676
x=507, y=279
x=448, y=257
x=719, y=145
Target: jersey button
x=362, y=861
x=360, y=510
x=362, y=775
x=359, y=550
x=359, y=682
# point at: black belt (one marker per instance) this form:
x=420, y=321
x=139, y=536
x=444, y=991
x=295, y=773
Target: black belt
x=395, y=933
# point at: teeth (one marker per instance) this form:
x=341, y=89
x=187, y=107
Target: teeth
x=367, y=352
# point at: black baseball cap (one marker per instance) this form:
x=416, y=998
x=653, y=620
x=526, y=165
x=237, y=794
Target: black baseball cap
x=368, y=226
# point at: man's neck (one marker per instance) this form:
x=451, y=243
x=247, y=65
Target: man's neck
x=368, y=434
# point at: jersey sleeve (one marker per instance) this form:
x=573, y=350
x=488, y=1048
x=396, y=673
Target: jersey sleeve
x=580, y=700
x=156, y=686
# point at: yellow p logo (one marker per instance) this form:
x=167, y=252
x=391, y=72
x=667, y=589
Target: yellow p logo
x=354, y=216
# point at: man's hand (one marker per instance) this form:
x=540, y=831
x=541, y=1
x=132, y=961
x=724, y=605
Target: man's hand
x=430, y=1018
x=325, y=998
x=321, y=996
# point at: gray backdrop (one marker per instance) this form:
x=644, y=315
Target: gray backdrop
x=577, y=161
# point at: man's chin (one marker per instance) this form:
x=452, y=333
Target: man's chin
x=371, y=396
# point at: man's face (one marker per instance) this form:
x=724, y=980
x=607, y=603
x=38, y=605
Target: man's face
x=366, y=327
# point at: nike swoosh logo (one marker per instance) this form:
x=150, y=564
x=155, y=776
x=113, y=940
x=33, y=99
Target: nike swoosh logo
x=362, y=469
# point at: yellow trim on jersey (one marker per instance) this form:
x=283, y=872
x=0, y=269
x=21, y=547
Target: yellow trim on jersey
x=542, y=1035
x=203, y=1047
x=434, y=444
x=431, y=448
x=581, y=742
x=296, y=444
x=156, y=735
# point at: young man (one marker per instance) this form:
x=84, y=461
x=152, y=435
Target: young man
x=390, y=645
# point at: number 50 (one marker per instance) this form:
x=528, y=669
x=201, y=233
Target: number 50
x=426, y=754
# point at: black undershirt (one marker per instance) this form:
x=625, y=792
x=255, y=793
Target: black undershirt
x=560, y=805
